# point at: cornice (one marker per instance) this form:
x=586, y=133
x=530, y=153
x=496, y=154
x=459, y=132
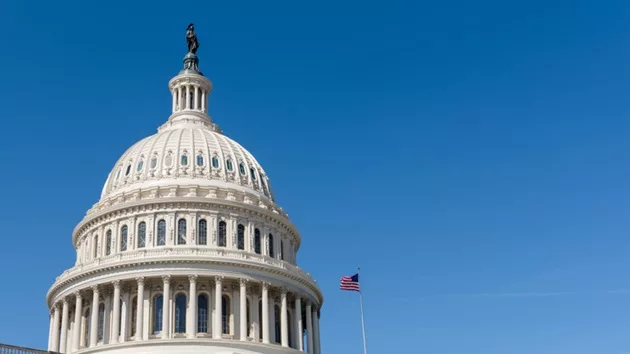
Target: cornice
x=75, y=274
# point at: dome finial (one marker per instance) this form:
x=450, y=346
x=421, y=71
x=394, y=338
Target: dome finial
x=191, y=62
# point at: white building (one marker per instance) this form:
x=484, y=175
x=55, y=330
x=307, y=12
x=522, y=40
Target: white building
x=186, y=251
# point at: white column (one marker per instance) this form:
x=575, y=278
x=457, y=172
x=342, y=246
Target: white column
x=107, y=317
x=166, y=312
x=174, y=93
x=283, y=319
x=203, y=100
x=196, y=97
x=243, y=320
x=94, y=317
x=50, y=330
x=78, y=311
x=309, y=328
x=116, y=315
x=187, y=103
x=124, y=321
x=64, y=327
x=56, y=333
x=179, y=99
x=191, y=327
x=316, y=342
x=139, y=308
x=265, y=312
x=298, y=323
x=217, y=331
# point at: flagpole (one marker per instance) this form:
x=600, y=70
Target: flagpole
x=362, y=319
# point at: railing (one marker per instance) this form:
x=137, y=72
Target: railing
x=12, y=349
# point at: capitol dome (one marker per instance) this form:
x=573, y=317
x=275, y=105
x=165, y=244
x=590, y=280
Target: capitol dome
x=187, y=250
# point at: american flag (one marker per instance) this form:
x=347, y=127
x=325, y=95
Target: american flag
x=350, y=282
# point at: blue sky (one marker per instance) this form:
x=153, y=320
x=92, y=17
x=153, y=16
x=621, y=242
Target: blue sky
x=471, y=157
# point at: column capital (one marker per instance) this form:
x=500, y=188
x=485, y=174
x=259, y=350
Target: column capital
x=266, y=285
x=56, y=306
x=243, y=281
x=166, y=279
x=94, y=288
x=140, y=281
x=218, y=278
x=116, y=284
x=77, y=294
x=283, y=291
x=65, y=301
x=192, y=278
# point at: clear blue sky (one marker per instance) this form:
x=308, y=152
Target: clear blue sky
x=473, y=157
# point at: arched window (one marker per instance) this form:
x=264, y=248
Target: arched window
x=101, y=320
x=229, y=165
x=252, y=174
x=181, y=232
x=86, y=327
x=290, y=322
x=154, y=162
x=264, y=186
x=249, y=319
x=142, y=234
x=161, y=233
x=180, y=313
x=270, y=245
x=108, y=243
x=240, y=237
x=276, y=318
x=215, y=162
x=140, y=164
x=241, y=168
x=184, y=160
x=202, y=313
x=257, y=241
x=282, y=251
x=222, y=234
x=123, y=238
x=157, y=313
x=225, y=312
x=95, y=246
x=200, y=160
x=134, y=315
x=168, y=161
x=260, y=321
x=203, y=232
x=128, y=170
x=120, y=300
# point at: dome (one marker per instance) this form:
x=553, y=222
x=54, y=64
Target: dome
x=187, y=153
x=186, y=251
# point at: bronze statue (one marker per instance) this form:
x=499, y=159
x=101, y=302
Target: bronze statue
x=191, y=39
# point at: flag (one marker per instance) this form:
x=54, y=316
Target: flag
x=350, y=283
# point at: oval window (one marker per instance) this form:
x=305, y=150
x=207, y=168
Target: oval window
x=215, y=162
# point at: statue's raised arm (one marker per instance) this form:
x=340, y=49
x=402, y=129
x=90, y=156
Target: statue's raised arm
x=191, y=39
